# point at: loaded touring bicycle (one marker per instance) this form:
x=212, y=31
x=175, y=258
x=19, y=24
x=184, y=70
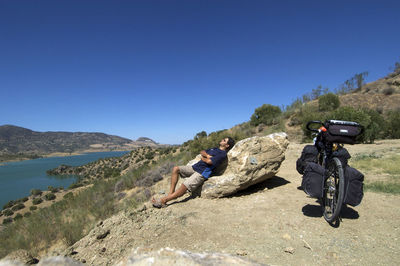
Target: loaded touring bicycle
x=326, y=175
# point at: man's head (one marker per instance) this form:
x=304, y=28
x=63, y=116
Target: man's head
x=226, y=143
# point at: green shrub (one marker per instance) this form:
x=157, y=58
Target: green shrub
x=308, y=113
x=52, y=189
x=8, y=204
x=392, y=129
x=267, y=114
x=375, y=129
x=50, y=196
x=149, y=155
x=328, y=102
x=75, y=185
x=24, y=199
x=17, y=207
x=68, y=195
x=8, y=212
x=18, y=216
x=7, y=220
x=27, y=214
x=36, y=192
x=37, y=201
x=32, y=208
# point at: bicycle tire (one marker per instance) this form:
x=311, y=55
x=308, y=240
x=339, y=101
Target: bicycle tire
x=333, y=193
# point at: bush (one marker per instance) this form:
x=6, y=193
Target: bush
x=17, y=207
x=52, y=189
x=7, y=220
x=8, y=212
x=8, y=204
x=27, y=214
x=36, y=192
x=266, y=114
x=32, y=208
x=393, y=125
x=18, y=217
x=149, y=155
x=37, y=201
x=69, y=195
x=24, y=199
x=50, y=196
x=74, y=185
x=328, y=102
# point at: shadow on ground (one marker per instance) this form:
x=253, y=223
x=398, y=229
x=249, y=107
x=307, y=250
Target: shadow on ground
x=270, y=183
x=316, y=211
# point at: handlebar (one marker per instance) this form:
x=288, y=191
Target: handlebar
x=313, y=122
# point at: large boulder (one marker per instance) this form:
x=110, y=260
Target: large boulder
x=250, y=161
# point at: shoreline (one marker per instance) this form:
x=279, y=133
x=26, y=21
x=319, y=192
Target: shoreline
x=59, y=154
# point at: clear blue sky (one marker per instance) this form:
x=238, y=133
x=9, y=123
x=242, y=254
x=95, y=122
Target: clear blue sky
x=170, y=69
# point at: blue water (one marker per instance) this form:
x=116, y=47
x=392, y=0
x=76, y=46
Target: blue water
x=18, y=178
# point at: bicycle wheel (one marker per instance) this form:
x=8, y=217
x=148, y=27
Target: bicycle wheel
x=333, y=193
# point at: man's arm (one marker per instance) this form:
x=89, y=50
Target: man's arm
x=205, y=157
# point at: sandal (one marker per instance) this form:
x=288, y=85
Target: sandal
x=157, y=203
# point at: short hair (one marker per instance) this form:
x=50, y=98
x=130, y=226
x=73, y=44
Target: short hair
x=231, y=143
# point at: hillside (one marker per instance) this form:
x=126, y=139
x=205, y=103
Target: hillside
x=381, y=95
x=14, y=140
x=270, y=223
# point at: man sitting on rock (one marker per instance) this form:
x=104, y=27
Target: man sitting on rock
x=196, y=175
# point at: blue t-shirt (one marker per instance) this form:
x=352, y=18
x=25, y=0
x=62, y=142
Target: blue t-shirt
x=206, y=170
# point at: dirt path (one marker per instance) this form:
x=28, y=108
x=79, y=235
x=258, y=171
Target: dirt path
x=273, y=223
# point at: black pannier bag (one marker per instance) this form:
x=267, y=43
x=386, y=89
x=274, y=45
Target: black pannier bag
x=309, y=154
x=354, y=187
x=313, y=180
x=343, y=155
x=342, y=131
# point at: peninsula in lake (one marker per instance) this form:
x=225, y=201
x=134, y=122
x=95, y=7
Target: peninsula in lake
x=18, y=143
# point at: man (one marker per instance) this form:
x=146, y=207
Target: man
x=196, y=175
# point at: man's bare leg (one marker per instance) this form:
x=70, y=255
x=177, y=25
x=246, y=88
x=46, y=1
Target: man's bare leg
x=176, y=194
x=174, y=179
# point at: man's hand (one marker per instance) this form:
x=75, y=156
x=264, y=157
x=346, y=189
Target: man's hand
x=205, y=157
x=205, y=154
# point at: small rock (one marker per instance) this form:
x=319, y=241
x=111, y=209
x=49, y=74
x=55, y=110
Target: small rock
x=241, y=253
x=286, y=236
x=103, y=235
x=103, y=250
x=289, y=250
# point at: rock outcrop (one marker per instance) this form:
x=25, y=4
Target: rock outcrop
x=168, y=256
x=250, y=161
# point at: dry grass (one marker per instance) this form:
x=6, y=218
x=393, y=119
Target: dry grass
x=382, y=171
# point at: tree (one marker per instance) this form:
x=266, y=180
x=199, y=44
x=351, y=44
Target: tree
x=393, y=125
x=328, y=102
x=359, y=79
x=266, y=114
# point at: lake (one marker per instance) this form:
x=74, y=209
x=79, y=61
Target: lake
x=18, y=178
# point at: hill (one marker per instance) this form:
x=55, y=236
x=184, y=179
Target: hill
x=15, y=140
x=381, y=95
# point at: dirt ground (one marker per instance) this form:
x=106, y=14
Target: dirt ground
x=272, y=223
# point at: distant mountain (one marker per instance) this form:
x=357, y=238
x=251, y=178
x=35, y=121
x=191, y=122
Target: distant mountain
x=15, y=140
